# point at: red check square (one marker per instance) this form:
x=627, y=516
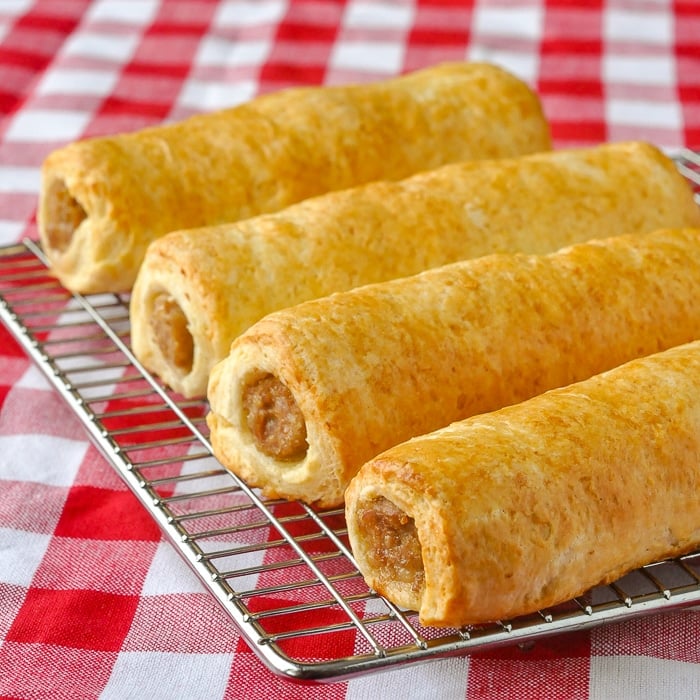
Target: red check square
x=9, y=345
x=104, y=514
x=77, y=619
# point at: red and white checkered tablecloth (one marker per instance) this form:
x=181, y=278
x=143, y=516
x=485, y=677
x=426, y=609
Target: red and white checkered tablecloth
x=80, y=616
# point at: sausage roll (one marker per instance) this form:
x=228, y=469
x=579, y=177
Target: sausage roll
x=104, y=200
x=513, y=511
x=197, y=290
x=310, y=393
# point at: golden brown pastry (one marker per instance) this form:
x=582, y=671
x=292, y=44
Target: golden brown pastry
x=510, y=512
x=197, y=290
x=104, y=200
x=310, y=393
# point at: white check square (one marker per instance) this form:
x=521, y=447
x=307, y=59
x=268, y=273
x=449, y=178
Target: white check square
x=204, y=96
x=249, y=13
x=16, y=178
x=22, y=553
x=214, y=51
x=100, y=46
x=31, y=125
x=33, y=378
x=639, y=70
x=50, y=460
x=69, y=81
x=643, y=113
x=169, y=573
x=383, y=58
x=10, y=231
x=630, y=677
x=518, y=22
x=446, y=678
x=524, y=65
x=15, y=7
x=638, y=27
x=164, y=676
x=378, y=15
x=123, y=11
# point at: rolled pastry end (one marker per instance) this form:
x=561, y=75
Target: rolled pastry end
x=264, y=429
x=386, y=538
x=171, y=334
x=274, y=419
x=62, y=215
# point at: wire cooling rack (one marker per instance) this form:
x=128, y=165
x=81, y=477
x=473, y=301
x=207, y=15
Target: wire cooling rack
x=282, y=571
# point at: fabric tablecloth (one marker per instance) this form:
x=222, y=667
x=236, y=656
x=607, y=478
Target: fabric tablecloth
x=80, y=616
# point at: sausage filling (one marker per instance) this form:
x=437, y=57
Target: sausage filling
x=274, y=419
x=393, y=550
x=169, y=326
x=63, y=217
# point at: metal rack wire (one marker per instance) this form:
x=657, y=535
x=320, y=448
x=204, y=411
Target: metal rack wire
x=282, y=571
x=688, y=163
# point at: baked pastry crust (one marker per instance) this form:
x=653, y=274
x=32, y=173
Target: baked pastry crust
x=199, y=289
x=511, y=512
x=103, y=200
x=374, y=366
